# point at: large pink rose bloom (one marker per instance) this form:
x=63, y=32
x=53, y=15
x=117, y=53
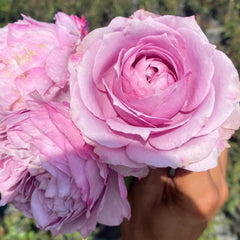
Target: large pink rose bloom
x=49, y=173
x=151, y=90
x=34, y=56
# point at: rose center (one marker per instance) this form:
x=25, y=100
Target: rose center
x=150, y=73
x=148, y=76
x=158, y=75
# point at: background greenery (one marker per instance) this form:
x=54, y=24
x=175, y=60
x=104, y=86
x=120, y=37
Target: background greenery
x=220, y=19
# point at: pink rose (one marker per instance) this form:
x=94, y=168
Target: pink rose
x=34, y=56
x=48, y=172
x=151, y=90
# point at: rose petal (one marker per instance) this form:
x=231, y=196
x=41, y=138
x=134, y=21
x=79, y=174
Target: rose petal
x=95, y=128
x=227, y=92
x=112, y=200
x=193, y=151
x=168, y=140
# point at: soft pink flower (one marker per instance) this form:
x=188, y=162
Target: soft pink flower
x=151, y=90
x=49, y=173
x=34, y=56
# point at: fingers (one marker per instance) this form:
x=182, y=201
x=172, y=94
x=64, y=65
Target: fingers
x=218, y=175
x=145, y=199
x=205, y=191
x=151, y=186
x=223, y=161
x=200, y=194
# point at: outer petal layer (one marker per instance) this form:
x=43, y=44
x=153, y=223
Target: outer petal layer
x=151, y=91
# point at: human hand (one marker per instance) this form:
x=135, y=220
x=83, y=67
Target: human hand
x=178, y=207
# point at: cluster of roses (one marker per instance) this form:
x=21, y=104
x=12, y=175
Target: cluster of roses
x=79, y=111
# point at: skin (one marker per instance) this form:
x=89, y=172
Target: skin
x=175, y=208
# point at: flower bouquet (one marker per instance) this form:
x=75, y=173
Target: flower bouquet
x=80, y=111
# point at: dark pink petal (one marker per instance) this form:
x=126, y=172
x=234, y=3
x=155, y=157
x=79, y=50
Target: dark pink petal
x=67, y=30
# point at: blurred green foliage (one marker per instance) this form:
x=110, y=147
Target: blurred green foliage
x=99, y=13
x=233, y=170
x=209, y=233
x=210, y=14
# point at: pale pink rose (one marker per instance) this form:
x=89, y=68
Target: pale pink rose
x=34, y=56
x=152, y=91
x=49, y=173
